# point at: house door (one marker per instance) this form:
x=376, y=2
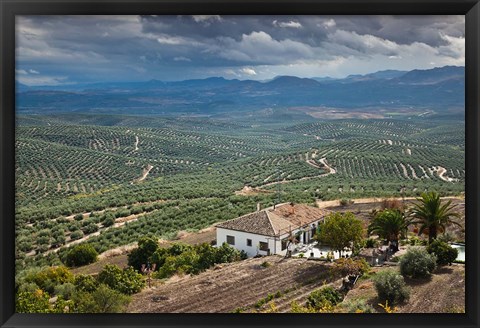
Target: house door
x=305, y=238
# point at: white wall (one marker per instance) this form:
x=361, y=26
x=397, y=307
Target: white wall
x=241, y=237
x=241, y=241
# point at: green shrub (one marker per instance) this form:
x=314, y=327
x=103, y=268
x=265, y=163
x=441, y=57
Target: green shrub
x=50, y=277
x=445, y=253
x=77, y=234
x=265, y=264
x=78, y=217
x=85, y=283
x=159, y=257
x=227, y=253
x=243, y=255
x=24, y=244
x=417, y=263
x=346, y=201
x=108, y=222
x=349, y=266
x=207, y=256
x=143, y=253
x=45, y=233
x=59, y=240
x=416, y=241
x=32, y=302
x=187, y=262
x=102, y=300
x=73, y=226
x=43, y=240
x=187, y=259
x=358, y=306
x=326, y=296
x=81, y=255
x=28, y=287
x=168, y=268
x=446, y=237
x=126, y=281
x=267, y=299
x=90, y=228
x=395, y=259
x=371, y=243
x=391, y=287
x=65, y=290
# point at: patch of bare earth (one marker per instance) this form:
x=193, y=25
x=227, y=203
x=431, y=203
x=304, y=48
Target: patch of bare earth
x=249, y=191
x=443, y=292
x=206, y=235
x=234, y=285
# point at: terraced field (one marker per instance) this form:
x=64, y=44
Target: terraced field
x=224, y=289
x=107, y=179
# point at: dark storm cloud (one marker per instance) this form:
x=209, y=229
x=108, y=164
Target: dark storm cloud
x=69, y=49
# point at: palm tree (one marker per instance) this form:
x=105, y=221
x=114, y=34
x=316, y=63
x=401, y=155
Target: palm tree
x=389, y=224
x=432, y=215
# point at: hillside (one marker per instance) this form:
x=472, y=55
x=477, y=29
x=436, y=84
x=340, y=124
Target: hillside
x=236, y=285
x=239, y=286
x=110, y=179
x=441, y=89
x=443, y=292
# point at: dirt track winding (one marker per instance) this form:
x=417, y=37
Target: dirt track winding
x=322, y=160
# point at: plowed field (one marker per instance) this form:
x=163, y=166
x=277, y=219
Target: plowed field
x=236, y=285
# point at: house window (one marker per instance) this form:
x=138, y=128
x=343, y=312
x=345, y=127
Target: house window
x=231, y=240
x=263, y=246
x=249, y=242
x=284, y=243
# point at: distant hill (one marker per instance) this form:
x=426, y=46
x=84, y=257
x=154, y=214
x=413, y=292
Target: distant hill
x=432, y=76
x=438, y=88
x=380, y=75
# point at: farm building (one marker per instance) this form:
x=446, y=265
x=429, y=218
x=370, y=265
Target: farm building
x=268, y=231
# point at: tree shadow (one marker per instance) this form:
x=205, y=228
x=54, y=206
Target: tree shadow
x=412, y=282
x=444, y=270
x=313, y=274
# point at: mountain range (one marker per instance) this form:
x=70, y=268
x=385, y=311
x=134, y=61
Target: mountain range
x=439, y=89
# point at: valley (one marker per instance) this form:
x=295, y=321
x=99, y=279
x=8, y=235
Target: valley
x=235, y=164
x=110, y=179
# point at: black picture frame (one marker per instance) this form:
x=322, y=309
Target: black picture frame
x=11, y=8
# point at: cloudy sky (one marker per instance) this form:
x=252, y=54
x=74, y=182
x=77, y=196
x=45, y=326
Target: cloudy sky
x=53, y=50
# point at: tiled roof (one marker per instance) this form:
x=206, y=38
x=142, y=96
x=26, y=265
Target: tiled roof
x=271, y=222
x=257, y=223
x=299, y=214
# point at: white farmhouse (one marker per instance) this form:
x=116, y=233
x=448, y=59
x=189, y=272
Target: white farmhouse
x=268, y=231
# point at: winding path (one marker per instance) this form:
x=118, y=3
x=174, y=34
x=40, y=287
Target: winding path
x=136, y=143
x=322, y=160
x=441, y=174
x=145, y=172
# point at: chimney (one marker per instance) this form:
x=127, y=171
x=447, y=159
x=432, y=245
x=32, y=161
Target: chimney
x=258, y=207
x=292, y=208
